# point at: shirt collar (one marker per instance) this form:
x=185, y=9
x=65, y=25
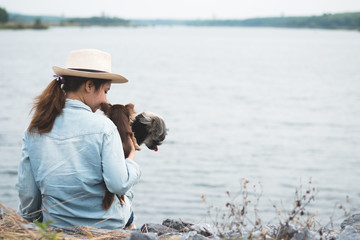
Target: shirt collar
x=72, y=103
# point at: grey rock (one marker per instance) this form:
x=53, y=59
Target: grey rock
x=193, y=235
x=217, y=238
x=353, y=220
x=143, y=236
x=303, y=234
x=238, y=236
x=199, y=237
x=204, y=229
x=30, y=226
x=256, y=234
x=271, y=229
x=349, y=233
x=156, y=228
x=243, y=234
x=170, y=236
x=176, y=224
x=188, y=235
x=286, y=232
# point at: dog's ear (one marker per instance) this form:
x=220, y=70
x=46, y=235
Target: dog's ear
x=158, y=125
x=130, y=108
x=106, y=108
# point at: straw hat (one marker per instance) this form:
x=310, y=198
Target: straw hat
x=89, y=63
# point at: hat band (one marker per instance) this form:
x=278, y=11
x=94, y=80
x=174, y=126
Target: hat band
x=88, y=70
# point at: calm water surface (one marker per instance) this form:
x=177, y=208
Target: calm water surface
x=274, y=106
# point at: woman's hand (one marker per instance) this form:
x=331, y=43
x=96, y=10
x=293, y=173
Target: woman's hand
x=132, y=151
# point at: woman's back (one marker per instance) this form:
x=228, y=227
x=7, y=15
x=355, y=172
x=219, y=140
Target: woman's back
x=67, y=167
x=70, y=153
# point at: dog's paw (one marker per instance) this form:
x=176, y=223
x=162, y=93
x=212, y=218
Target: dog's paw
x=137, y=147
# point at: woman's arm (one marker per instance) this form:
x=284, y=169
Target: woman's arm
x=29, y=193
x=119, y=174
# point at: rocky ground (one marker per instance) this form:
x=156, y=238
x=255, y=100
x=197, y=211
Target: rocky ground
x=13, y=226
x=175, y=229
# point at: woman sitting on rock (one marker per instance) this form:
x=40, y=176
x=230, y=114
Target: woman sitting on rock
x=70, y=153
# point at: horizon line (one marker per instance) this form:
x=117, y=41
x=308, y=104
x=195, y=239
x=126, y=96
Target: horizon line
x=181, y=19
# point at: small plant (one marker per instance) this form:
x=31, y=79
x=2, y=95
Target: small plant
x=235, y=219
x=235, y=222
x=298, y=217
x=43, y=229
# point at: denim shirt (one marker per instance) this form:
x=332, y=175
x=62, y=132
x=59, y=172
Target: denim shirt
x=63, y=173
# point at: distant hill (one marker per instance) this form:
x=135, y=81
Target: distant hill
x=326, y=21
x=16, y=17
x=96, y=21
x=53, y=20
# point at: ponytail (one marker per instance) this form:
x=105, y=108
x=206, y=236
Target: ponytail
x=50, y=103
x=47, y=106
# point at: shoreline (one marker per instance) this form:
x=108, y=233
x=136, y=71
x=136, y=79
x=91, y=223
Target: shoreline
x=336, y=21
x=23, y=26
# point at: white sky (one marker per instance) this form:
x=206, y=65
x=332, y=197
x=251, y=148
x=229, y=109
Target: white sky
x=180, y=9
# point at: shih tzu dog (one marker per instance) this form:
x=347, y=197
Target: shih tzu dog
x=144, y=128
x=149, y=129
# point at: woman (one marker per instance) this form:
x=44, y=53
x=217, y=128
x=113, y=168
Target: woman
x=70, y=153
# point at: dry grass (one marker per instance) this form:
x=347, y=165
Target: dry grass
x=13, y=226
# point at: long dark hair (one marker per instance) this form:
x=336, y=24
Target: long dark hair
x=49, y=104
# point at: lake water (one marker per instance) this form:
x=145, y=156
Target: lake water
x=274, y=106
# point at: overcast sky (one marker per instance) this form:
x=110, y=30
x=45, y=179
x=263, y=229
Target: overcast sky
x=180, y=9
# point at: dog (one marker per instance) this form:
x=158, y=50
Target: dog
x=149, y=129
x=144, y=128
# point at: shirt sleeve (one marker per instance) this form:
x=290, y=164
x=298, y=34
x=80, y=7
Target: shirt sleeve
x=119, y=174
x=29, y=193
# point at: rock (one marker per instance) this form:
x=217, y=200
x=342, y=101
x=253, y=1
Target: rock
x=143, y=236
x=204, y=229
x=218, y=238
x=236, y=235
x=256, y=234
x=271, y=229
x=350, y=228
x=349, y=233
x=30, y=226
x=303, y=234
x=178, y=225
x=156, y=228
x=199, y=237
x=353, y=220
x=193, y=235
x=286, y=232
x=243, y=234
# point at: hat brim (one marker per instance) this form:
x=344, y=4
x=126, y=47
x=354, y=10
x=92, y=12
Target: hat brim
x=115, y=78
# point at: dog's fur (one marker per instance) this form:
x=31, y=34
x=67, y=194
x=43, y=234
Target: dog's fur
x=147, y=128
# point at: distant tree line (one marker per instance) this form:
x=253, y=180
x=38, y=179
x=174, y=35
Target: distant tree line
x=100, y=21
x=327, y=21
x=7, y=23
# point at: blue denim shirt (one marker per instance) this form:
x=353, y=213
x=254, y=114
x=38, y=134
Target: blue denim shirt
x=63, y=173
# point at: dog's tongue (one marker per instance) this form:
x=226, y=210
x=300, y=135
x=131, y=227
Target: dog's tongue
x=156, y=149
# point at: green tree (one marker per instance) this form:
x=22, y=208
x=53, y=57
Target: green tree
x=4, y=16
x=38, y=24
